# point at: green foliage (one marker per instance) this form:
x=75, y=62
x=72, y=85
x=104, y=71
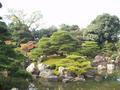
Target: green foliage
x=64, y=42
x=10, y=60
x=69, y=28
x=104, y=28
x=3, y=32
x=52, y=66
x=21, y=24
x=89, y=48
x=76, y=64
x=56, y=72
x=109, y=48
x=7, y=53
x=60, y=41
x=20, y=32
x=22, y=74
x=35, y=53
x=52, y=60
x=38, y=34
x=42, y=49
x=8, y=56
x=115, y=55
x=75, y=57
x=8, y=83
x=117, y=45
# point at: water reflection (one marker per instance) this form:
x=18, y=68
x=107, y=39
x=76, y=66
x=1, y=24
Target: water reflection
x=88, y=85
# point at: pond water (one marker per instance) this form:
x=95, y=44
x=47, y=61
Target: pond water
x=87, y=85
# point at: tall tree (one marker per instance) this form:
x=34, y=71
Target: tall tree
x=69, y=28
x=64, y=41
x=21, y=25
x=44, y=32
x=104, y=28
x=61, y=42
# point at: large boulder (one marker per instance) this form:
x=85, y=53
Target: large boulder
x=101, y=69
x=41, y=67
x=32, y=87
x=99, y=59
x=80, y=78
x=30, y=68
x=61, y=70
x=110, y=68
x=90, y=73
x=45, y=73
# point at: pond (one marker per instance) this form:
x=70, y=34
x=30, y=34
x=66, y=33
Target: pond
x=45, y=85
x=87, y=85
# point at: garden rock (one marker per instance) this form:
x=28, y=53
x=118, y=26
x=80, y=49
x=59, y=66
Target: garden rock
x=110, y=68
x=99, y=60
x=61, y=70
x=45, y=73
x=30, y=68
x=41, y=67
x=80, y=78
x=52, y=78
x=90, y=73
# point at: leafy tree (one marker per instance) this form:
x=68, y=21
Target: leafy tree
x=21, y=25
x=109, y=48
x=10, y=60
x=64, y=42
x=43, y=48
x=104, y=28
x=89, y=49
x=32, y=20
x=60, y=43
x=69, y=28
x=20, y=32
x=3, y=32
x=4, y=49
x=44, y=32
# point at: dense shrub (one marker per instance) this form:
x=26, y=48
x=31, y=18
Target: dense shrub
x=76, y=64
x=90, y=49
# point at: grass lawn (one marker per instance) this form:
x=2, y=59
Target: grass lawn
x=52, y=60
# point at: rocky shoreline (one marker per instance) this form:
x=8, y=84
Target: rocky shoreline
x=101, y=68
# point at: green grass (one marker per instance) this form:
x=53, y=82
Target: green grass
x=53, y=60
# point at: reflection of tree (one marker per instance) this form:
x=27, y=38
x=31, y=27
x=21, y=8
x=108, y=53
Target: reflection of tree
x=60, y=87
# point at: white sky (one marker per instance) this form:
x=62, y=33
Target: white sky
x=56, y=12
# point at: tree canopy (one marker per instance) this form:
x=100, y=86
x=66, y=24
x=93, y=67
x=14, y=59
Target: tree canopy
x=10, y=60
x=104, y=28
x=59, y=42
x=21, y=24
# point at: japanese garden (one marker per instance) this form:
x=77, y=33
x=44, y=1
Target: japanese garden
x=59, y=58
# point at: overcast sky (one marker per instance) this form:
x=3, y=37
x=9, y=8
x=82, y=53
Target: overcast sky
x=56, y=12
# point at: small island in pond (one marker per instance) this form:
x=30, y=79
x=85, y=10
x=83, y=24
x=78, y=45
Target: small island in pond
x=31, y=56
